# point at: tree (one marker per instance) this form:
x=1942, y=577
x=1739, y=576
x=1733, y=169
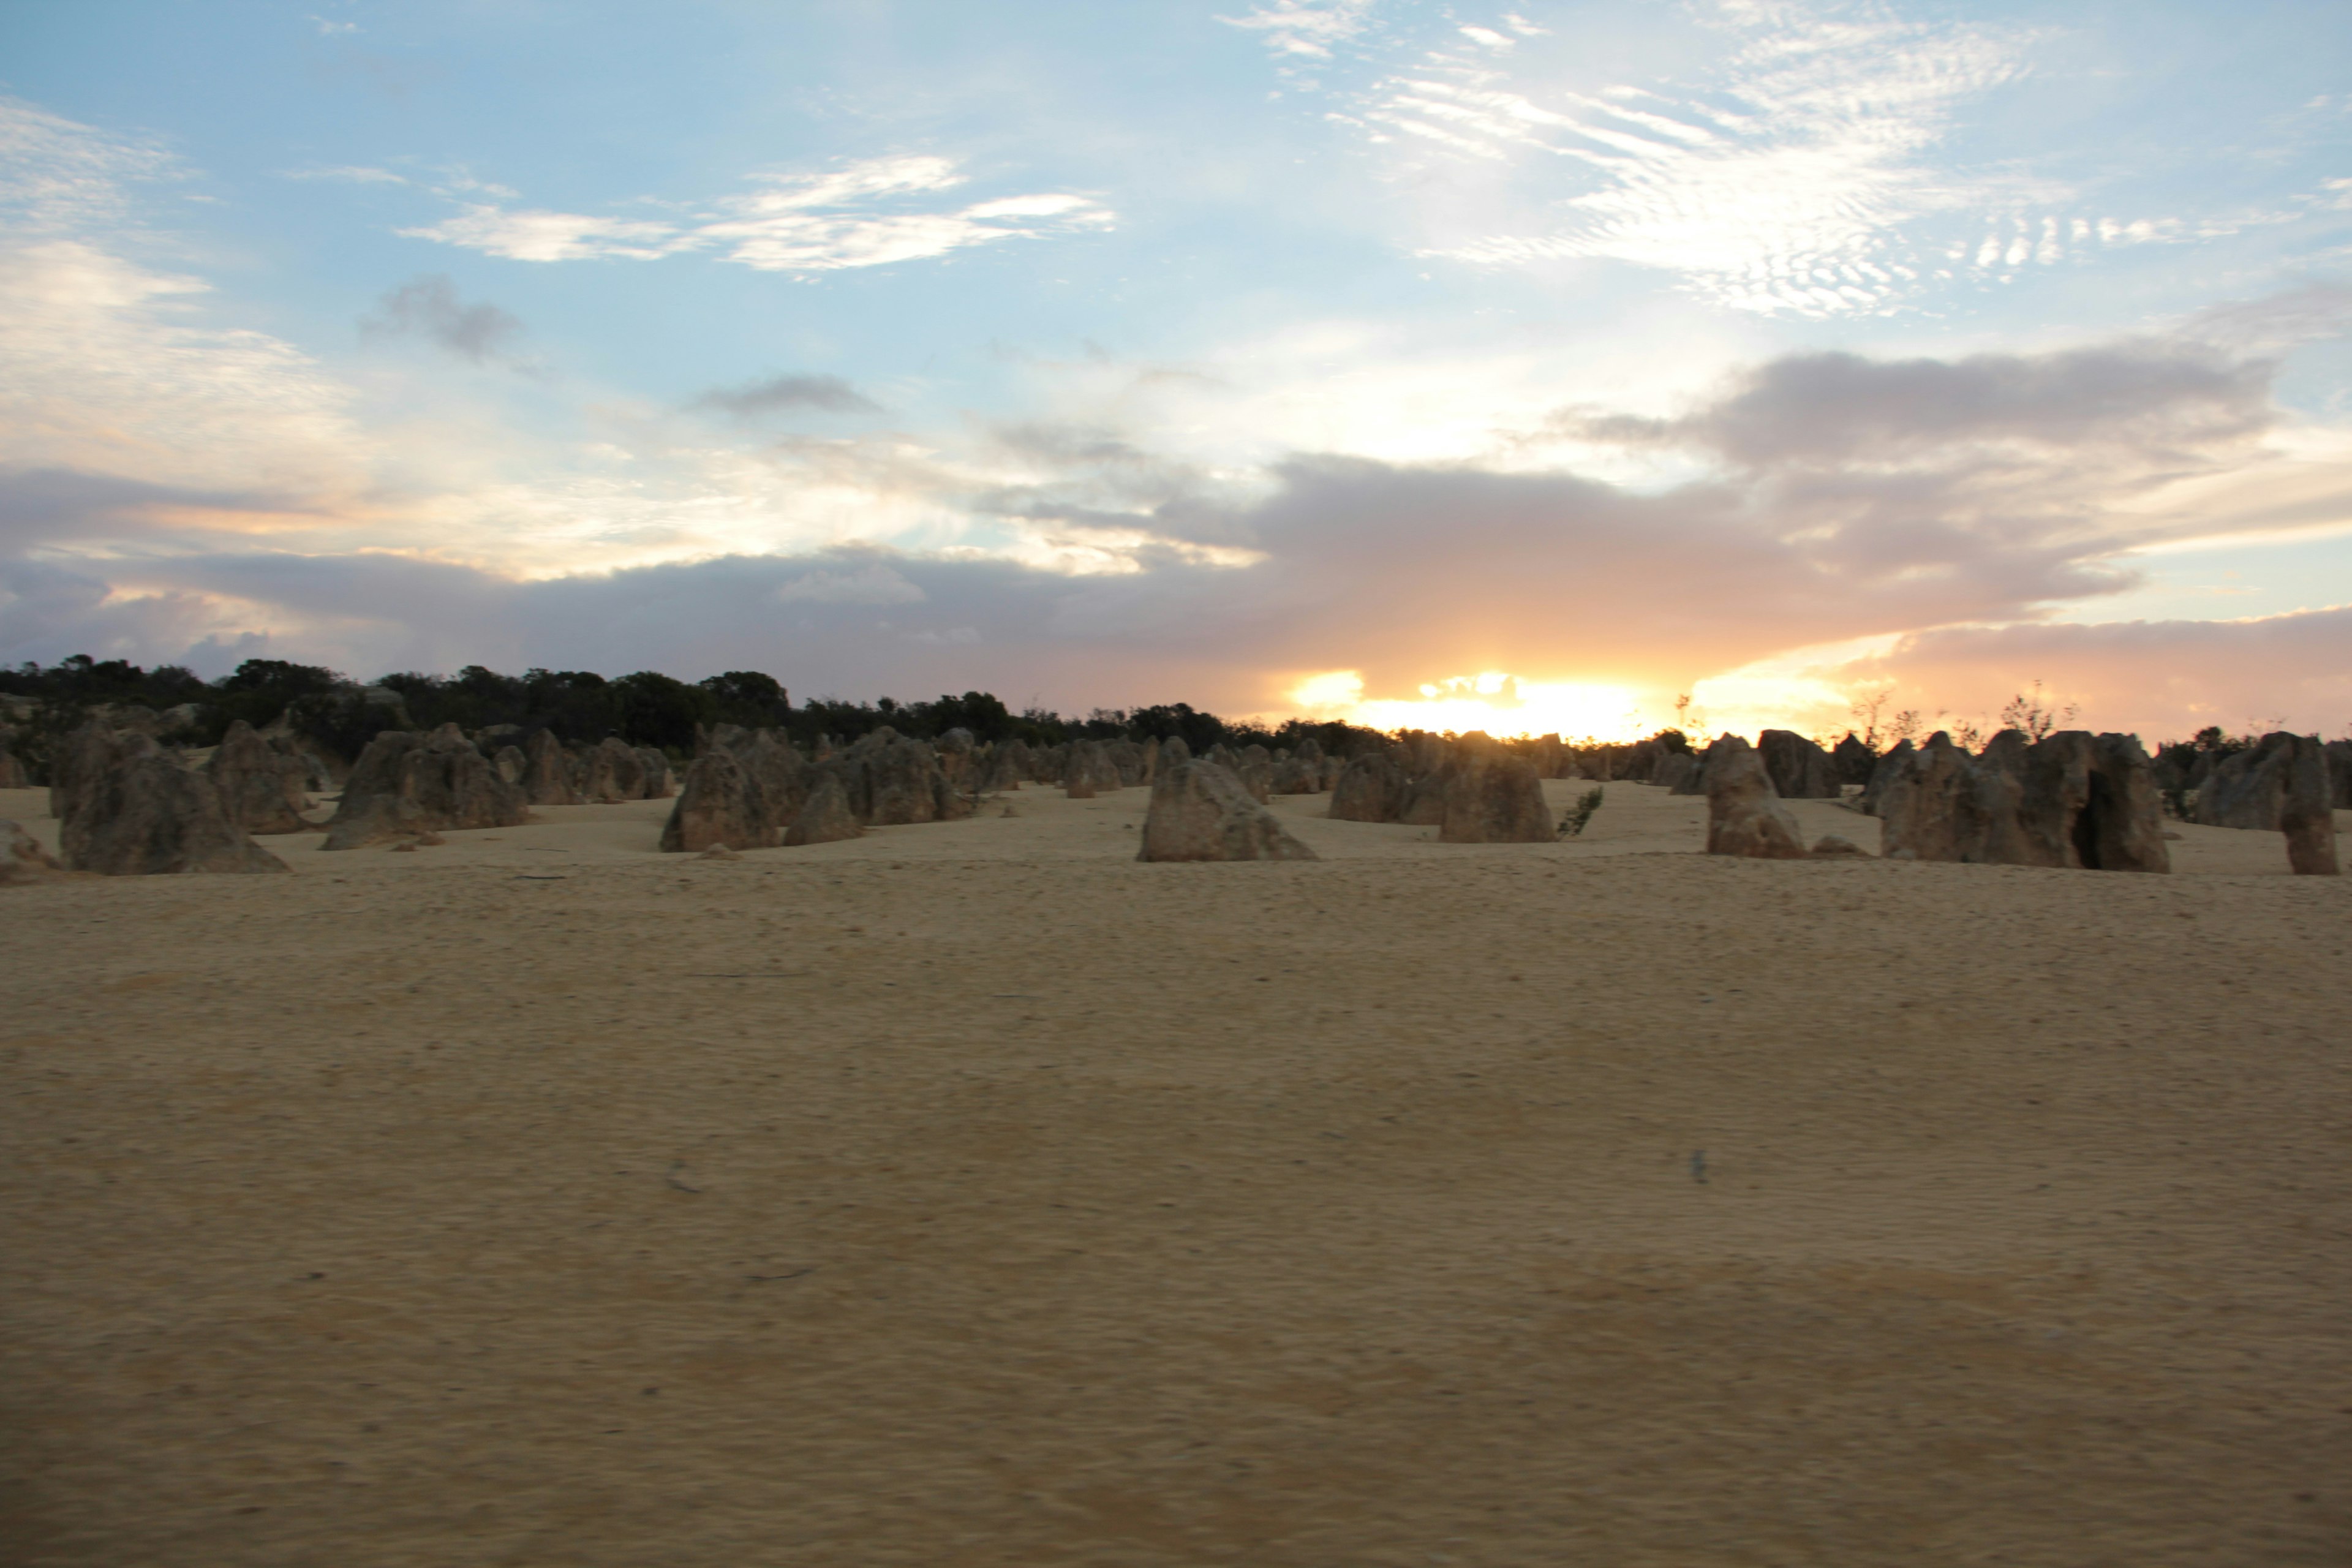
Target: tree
x=2031, y=712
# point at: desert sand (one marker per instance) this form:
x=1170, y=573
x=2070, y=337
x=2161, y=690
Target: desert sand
x=973, y=1194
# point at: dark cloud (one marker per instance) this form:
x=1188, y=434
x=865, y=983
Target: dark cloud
x=41, y=506
x=428, y=307
x=777, y=393
x=1840, y=407
x=1404, y=572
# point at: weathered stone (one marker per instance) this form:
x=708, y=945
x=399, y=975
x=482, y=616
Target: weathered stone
x=1369, y=789
x=1296, y=774
x=136, y=811
x=2087, y=802
x=1174, y=752
x=1675, y=772
x=2248, y=788
x=1495, y=798
x=1896, y=763
x=825, y=816
x=722, y=803
x=776, y=766
x=1853, y=761
x=511, y=764
x=1835, y=846
x=23, y=860
x=547, y=774
x=615, y=773
x=260, y=787
x=1799, y=769
x=1202, y=811
x=2340, y=772
x=12, y=769
x=653, y=782
x=1089, y=771
x=1744, y=815
x=407, y=784
x=1941, y=805
x=890, y=781
x=2306, y=810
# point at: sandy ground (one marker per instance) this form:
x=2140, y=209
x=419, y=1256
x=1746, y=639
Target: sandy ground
x=972, y=1195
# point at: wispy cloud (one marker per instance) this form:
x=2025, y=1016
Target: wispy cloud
x=1305, y=28
x=866, y=214
x=352, y=174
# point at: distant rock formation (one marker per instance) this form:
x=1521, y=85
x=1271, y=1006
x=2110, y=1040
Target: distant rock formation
x=1370, y=788
x=1799, y=769
x=261, y=786
x=722, y=803
x=407, y=785
x=547, y=771
x=825, y=816
x=1854, y=760
x=1202, y=811
x=615, y=773
x=1744, y=813
x=1493, y=797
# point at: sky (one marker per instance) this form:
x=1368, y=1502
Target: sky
x=1524, y=368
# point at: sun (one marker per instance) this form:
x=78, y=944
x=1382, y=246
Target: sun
x=1496, y=701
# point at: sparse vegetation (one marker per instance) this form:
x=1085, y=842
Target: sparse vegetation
x=2032, y=713
x=1572, y=825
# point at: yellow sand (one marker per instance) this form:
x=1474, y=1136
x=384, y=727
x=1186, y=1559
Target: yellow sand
x=972, y=1195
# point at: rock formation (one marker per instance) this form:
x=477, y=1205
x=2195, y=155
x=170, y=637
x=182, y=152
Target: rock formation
x=12, y=771
x=1853, y=761
x=406, y=784
x=1744, y=813
x=1799, y=769
x=1673, y=771
x=2074, y=799
x=1202, y=811
x=1892, y=765
x=615, y=773
x=776, y=766
x=1369, y=789
x=260, y=787
x=511, y=764
x=890, y=781
x=1495, y=798
x=825, y=816
x=2306, y=813
x=134, y=811
x=22, y=858
x=653, y=782
x=547, y=773
x=722, y=803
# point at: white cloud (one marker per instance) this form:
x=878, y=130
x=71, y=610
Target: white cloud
x=531, y=234
x=1787, y=186
x=1308, y=28
x=860, y=214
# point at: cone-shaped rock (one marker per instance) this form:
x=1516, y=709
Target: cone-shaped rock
x=825, y=815
x=1202, y=811
x=722, y=803
x=1495, y=798
x=1744, y=815
x=138, y=813
x=261, y=786
x=1370, y=788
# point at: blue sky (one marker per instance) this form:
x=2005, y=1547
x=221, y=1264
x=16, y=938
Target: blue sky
x=1276, y=355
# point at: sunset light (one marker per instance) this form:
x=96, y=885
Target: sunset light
x=1496, y=702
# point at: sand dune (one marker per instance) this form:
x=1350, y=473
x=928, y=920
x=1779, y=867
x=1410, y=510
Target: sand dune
x=973, y=1194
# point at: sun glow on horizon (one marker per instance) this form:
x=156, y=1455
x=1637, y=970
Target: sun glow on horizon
x=1496, y=701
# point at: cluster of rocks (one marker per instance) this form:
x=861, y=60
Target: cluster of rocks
x=1472, y=790
x=2072, y=799
x=2285, y=783
x=751, y=789
x=126, y=806
x=1797, y=767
